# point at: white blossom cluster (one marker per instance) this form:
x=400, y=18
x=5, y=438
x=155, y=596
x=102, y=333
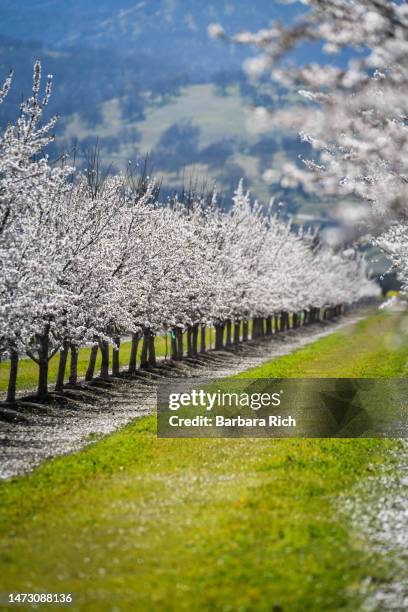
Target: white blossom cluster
x=356, y=117
x=87, y=258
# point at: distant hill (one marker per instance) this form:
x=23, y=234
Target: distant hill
x=171, y=31
x=116, y=62
x=115, y=48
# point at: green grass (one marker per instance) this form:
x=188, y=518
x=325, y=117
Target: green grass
x=374, y=347
x=139, y=523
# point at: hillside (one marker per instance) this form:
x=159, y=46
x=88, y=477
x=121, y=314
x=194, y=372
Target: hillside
x=144, y=77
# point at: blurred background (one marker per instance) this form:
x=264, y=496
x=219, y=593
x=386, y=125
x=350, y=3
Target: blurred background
x=144, y=77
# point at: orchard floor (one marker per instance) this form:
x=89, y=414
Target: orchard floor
x=133, y=522
x=92, y=410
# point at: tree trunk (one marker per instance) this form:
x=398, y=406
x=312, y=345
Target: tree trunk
x=173, y=344
x=275, y=324
x=144, y=357
x=152, y=352
x=256, y=327
x=73, y=375
x=104, y=346
x=189, y=342
x=203, y=338
x=237, y=332
x=228, y=338
x=116, y=357
x=268, y=331
x=12, y=383
x=42, y=390
x=305, y=317
x=294, y=320
x=245, y=331
x=282, y=322
x=194, y=340
x=133, y=354
x=62, y=365
x=92, y=362
x=180, y=349
x=219, y=336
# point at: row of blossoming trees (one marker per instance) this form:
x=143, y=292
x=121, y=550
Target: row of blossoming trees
x=86, y=259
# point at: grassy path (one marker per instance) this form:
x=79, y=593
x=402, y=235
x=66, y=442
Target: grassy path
x=137, y=523
x=374, y=347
